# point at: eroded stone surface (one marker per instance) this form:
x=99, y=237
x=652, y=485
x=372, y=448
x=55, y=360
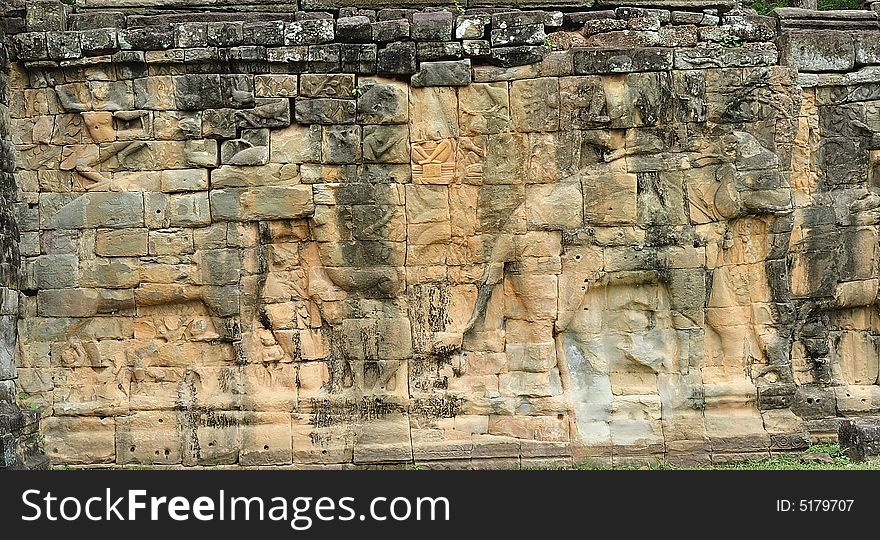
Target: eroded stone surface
x=291, y=245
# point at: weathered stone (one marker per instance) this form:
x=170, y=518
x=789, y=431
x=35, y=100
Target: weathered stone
x=386, y=144
x=476, y=47
x=325, y=111
x=518, y=56
x=251, y=149
x=651, y=237
x=397, y=58
x=194, y=92
x=271, y=202
x=432, y=26
x=448, y=73
x=532, y=34
x=817, y=51
x=471, y=26
x=859, y=438
x=275, y=86
x=438, y=50
x=91, y=210
x=353, y=29
x=622, y=60
x=80, y=440
x=324, y=58
x=296, y=144
x=867, y=48
x=309, y=32
x=390, y=30
x=534, y=104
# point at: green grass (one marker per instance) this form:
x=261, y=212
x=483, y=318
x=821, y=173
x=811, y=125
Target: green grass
x=826, y=5
x=780, y=462
x=764, y=7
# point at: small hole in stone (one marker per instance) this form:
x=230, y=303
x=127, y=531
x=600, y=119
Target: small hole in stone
x=55, y=450
x=266, y=447
x=160, y=420
x=810, y=401
x=167, y=452
x=212, y=443
x=157, y=452
x=323, y=451
x=131, y=449
x=577, y=257
x=560, y=416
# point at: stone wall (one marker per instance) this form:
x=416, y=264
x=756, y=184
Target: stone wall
x=19, y=441
x=487, y=239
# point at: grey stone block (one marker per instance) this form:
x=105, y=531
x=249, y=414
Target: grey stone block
x=816, y=51
x=98, y=40
x=324, y=58
x=432, y=26
x=31, y=46
x=446, y=73
x=309, y=32
x=254, y=204
x=325, y=111
x=397, y=59
x=532, y=34
x=93, y=20
x=355, y=29
x=225, y=34
x=358, y=58
x=91, y=210
x=63, y=45
x=438, y=50
x=195, y=92
x=252, y=148
x=519, y=55
x=607, y=60
x=860, y=437
x=471, y=26
x=388, y=31
x=57, y=271
x=476, y=47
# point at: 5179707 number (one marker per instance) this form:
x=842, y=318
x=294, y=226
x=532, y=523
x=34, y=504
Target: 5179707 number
x=814, y=505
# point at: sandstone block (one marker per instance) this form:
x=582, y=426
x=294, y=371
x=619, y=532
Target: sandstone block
x=149, y=438
x=80, y=440
x=270, y=202
x=296, y=144
x=265, y=439
x=92, y=210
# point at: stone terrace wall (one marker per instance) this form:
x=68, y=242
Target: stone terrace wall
x=19, y=441
x=491, y=239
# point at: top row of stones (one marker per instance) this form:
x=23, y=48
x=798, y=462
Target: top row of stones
x=504, y=36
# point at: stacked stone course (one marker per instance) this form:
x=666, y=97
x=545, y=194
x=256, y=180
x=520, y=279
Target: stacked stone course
x=497, y=238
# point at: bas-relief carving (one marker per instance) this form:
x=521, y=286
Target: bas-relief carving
x=581, y=259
